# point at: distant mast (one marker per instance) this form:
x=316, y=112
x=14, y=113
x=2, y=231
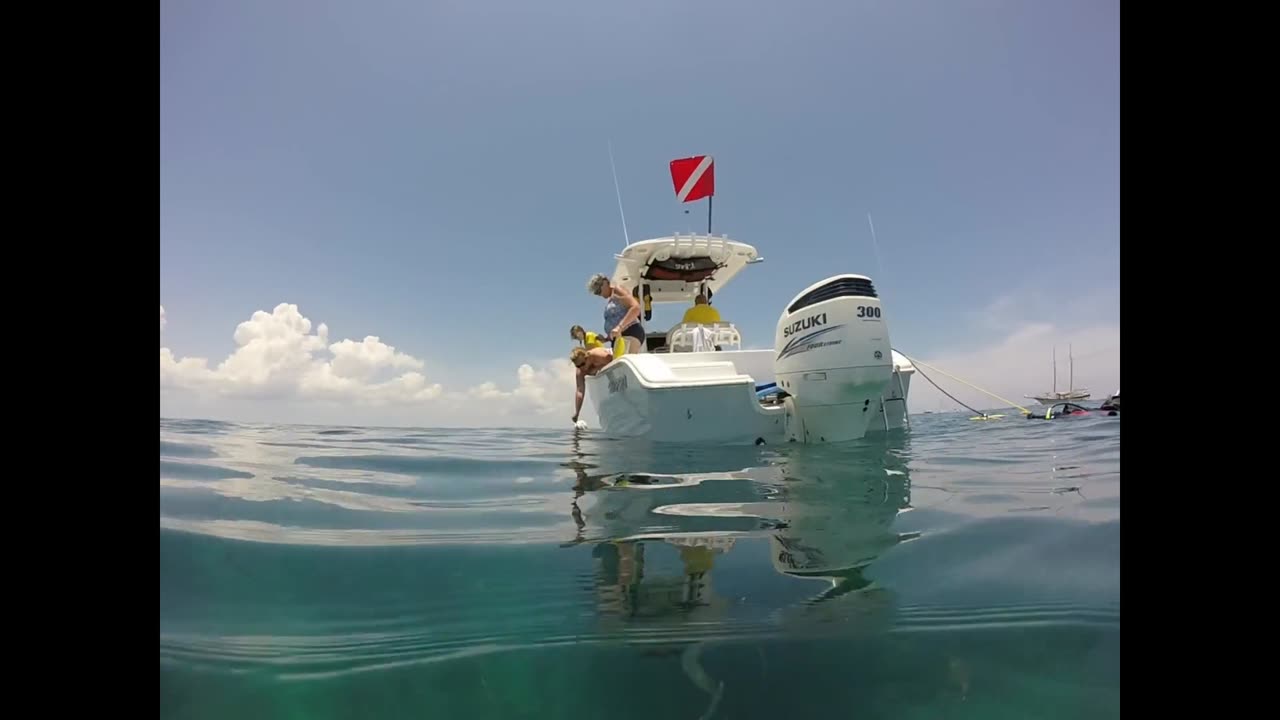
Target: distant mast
x=1072, y=392
x=694, y=178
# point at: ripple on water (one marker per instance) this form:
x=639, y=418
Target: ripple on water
x=169, y=448
x=198, y=471
x=971, y=561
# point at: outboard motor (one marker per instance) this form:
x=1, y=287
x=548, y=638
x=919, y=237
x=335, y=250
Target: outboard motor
x=833, y=359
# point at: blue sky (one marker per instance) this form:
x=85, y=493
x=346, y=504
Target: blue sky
x=436, y=175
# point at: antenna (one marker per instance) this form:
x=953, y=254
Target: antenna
x=875, y=245
x=625, y=237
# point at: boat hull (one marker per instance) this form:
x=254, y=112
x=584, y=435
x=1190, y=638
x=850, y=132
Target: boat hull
x=684, y=398
x=710, y=398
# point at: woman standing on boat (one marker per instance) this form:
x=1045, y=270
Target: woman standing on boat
x=621, y=312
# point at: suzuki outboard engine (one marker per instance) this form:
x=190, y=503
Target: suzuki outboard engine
x=833, y=359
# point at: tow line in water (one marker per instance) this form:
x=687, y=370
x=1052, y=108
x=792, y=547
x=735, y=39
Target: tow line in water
x=978, y=414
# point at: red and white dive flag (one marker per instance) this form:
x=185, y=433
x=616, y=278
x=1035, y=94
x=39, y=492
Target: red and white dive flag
x=693, y=177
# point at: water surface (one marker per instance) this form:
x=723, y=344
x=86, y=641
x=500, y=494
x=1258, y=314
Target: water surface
x=959, y=569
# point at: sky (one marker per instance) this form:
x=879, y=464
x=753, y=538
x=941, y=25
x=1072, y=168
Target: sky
x=385, y=212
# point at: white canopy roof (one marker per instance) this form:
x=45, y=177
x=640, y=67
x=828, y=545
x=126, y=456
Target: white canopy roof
x=638, y=259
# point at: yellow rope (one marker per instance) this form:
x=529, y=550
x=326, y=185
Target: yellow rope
x=975, y=387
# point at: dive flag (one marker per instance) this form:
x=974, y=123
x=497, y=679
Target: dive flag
x=693, y=177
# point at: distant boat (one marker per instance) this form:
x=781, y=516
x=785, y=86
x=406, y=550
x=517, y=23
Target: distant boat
x=1056, y=395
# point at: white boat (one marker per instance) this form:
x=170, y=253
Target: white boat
x=831, y=377
x=1071, y=393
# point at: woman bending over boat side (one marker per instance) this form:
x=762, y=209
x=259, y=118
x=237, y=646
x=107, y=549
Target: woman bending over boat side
x=588, y=362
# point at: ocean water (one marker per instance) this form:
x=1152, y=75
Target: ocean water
x=958, y=569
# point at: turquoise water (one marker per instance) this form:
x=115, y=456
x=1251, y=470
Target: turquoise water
x=960, y=569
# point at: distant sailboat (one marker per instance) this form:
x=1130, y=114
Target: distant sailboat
x=1071, y=393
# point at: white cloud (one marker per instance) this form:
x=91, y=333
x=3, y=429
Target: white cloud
x=162, y=317
x=277, y=356
x=361, y=360
x=282, y=370
x=1019, y=361
x=544, y=391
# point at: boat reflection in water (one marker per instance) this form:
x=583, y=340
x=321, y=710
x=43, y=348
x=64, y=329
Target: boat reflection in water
x=820, y=514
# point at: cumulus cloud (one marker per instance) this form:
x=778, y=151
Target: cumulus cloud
x=1018, y=361
x=278, y=356
x=542, y=391
x=285, y=369
x=162, y=317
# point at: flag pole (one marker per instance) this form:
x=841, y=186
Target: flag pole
x=709, y=199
